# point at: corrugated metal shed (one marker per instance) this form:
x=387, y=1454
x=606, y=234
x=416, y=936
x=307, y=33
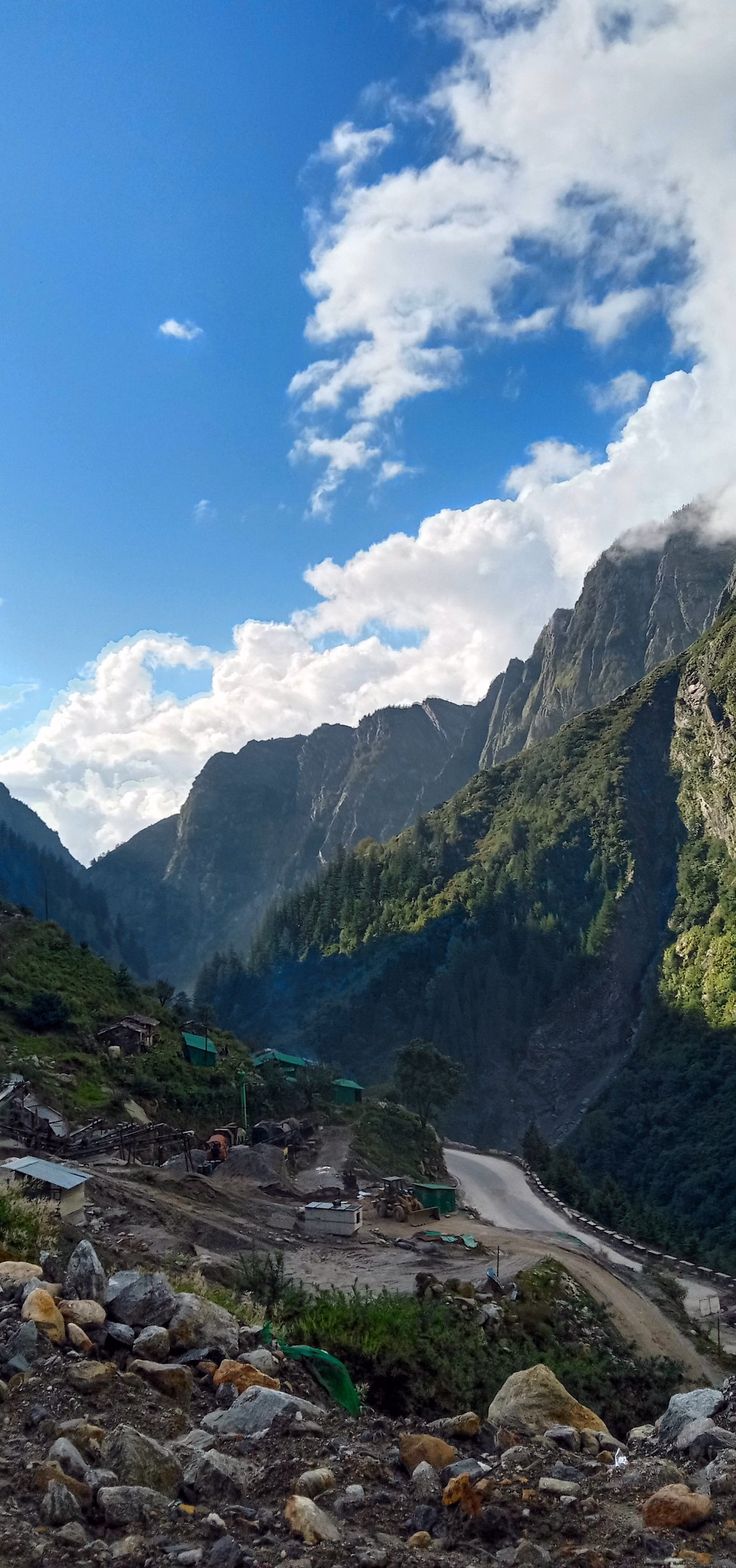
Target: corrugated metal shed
x=44, y=1170
x=199, y=1050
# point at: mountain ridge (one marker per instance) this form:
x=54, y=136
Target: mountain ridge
x=261, y=821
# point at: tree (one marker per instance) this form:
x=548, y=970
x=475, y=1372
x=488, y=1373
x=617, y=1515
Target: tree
x=164, y=991
x=426, y=1079
x=47, y=1010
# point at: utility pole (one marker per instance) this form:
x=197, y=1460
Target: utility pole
x=243, y=1101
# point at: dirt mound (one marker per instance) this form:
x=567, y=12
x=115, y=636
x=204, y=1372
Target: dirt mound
x=262, y=1163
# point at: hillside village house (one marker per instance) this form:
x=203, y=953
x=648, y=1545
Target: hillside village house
x=132, y=1034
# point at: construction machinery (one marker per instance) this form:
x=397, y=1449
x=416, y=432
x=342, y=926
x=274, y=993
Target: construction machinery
x=396, y=1200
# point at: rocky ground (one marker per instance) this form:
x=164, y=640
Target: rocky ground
x=144, y=1426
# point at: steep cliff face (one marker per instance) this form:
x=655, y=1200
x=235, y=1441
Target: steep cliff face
x=260, y=822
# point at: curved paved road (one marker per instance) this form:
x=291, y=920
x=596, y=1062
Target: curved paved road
x=500, y=1192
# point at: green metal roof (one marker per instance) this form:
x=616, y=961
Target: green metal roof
x=347, y=1083
x=281, y=1056
x=200, y=1042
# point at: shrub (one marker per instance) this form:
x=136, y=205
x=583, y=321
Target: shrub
x=27, y=1226
x=46, y=1010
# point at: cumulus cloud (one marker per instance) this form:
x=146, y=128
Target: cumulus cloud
x=622, y=391
x=184, y=331
x=405, y=271
x=204, y=512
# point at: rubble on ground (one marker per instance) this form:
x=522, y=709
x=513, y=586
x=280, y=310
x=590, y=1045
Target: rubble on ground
x=141, y=1427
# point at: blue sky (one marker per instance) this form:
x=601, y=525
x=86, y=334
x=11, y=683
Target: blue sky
x=162, y=161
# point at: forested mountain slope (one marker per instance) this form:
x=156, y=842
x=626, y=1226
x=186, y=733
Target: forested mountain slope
x=562, y=908
x=259, y=823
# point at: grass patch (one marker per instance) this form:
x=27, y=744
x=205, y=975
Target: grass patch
x=392, y=1141
x=27, y=1226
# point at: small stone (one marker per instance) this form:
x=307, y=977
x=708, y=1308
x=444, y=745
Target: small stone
x=558, y=1488
x=466, y=1425
x=311, y=1483
x=721, y=1474
x=68, y=1456
x=49, y=1473
x=59, y=1506
x=262, y=1359
x=241, y=1375
x=72, y=1534
x=96, y=1477
x=475, y=1469
x=87, y=1376
x=420, y=1540
x=153, y=1343
x=566, y=1436
x=79, y=1340
x=84, y=1434
x=4, y=1392
x=41, y=1309
x=372, y=1557
x=640, y=1434
x=676, y=1508
x=85, y=1276
x=304, y=1518
x=416, y=1448
x=425, y=1482
x=174, y=1381
x=85, y=1313
x=354, y=1495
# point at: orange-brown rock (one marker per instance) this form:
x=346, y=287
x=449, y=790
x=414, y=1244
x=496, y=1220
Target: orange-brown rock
x=675, y=1507
x=242, y=1376
x=85, y=1313
x=50, y=1471
x=420, y=1540
x=77, y=1337
x=537, y=1400
x=41, y=1309
x=422, y=1447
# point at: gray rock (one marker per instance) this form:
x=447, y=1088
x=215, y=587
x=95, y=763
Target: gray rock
x=23, y=1346
x=721, y=1474
x=354, y=1495
x=59, y=1505
x=96, y=1478
x=196, y=1440
x=641, y=1434
x=686, y=1407
x=69, y=1457
x=4, y=1392
x=72, y=1534
x=425, y=1482
x=225, y=1554
x=122, y=1505
x=256, y=1410
x=191, y=1358
x=262, y=1360
x=139, y=1461
x=566, y=1436
x=472, y=1467
x=120, y=1334
x=558, y=1488
x=85, y=1278
x=212, y=1477
x=197, y=1322
x=701, y=1438
x=153, y=1343
x=371, y=1557
x=526, y=1555
x=140, y=1299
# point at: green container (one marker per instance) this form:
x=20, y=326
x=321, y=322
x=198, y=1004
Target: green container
x=434, y=1195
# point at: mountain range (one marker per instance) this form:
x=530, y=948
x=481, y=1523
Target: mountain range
x=260, y=822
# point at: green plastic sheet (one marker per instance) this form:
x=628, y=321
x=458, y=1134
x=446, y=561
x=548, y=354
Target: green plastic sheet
x=328, y=1370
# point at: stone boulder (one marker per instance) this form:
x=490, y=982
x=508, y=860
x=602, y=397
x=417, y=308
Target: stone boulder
x=242, y=1376
x=66, y=1454
x=140, y=1299
x=86, y=1313
x=41, y=1309
x=676, y=1508
x=152, y=1344
x=79, y=1340
x=89, y=1376
x=59, y=1505
x=124, y=1505
x=687, y=1407
x=262, y=1359
x=85, y=1276
x=304, y=1518
x=16, y=1272
x=174, y=1382
x=139, y=1460
x=256, y=1410
x=198, y=1322
x=535, y=1400
x=214, y=1478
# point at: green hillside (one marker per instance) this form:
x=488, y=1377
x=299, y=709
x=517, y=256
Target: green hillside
x=55, y=995
x=566, y=927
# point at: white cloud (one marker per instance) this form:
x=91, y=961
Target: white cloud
x=349, y=148
x=622, y=391
x=639, y=156
x=610, y=317
x=204, y=512
x=12, y=696
x=184, y=331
